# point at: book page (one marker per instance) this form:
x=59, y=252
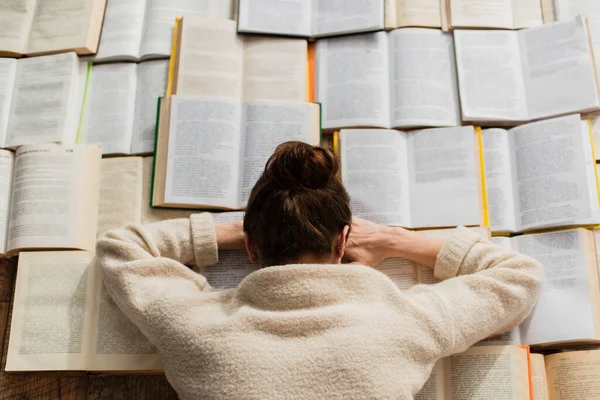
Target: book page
x=159, y=21
x=283, y=17
x=51, y=311
x=569, y=9
x=433, y=389
x=60, y=25
x=345, y=16
x=352, y=81
x=264, y=127
x=551, y=182
x=15, y=22
x=488, y=372
x=7, y=162
x=275, y=69
x=400, y=270
x=151, y=84
x=110, y=107
x=574, y=375
x=499, y=179
x=121, y=181
x=44, y=96
x=443, y=175
x=122, y=30
x=490, y=76
x=565, y=303
x=418, y=13
x=54, y=202
x=538, y=377
x=482, y=13
x=8, y=69
x=595, y=122
x=211, y=58
x=424, y=83
x=205, y=145
x=375, y=174
x=527, y=13
x=560, y=75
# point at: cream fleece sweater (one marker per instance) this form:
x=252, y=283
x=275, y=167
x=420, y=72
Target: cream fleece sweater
x=308, y=331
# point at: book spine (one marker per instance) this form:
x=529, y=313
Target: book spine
x=173, y=56
x=484, y=199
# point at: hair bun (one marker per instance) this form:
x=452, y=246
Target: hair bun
x=298, y=165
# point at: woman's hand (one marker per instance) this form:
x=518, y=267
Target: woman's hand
x=230, y=236
x=370, y=243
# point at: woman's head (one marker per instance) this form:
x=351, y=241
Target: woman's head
x=298, y=211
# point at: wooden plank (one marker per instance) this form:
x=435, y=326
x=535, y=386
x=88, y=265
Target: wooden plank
x=13, y=386
x=4, y=313
x=125, y=387
x=8, y=270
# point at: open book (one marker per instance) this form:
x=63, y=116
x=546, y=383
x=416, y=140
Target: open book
x=517, y=76
x=568, y=311
x=505, y=14
x=310, y=18
x=427, y=178
x=38, y=107
x=495, y=372
x=35, y=27
x=541, y=175
x=229, y=65
x=569, y=9
x=402, y=79
x=136, y=30
x=48, y=197
x=119, y=113
x=210, y=152
x=402, y=13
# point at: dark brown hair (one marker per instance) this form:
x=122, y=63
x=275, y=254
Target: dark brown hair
x=298, y=205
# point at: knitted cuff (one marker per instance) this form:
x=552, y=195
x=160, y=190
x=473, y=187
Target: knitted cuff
x=204, y=238
x=452, y=255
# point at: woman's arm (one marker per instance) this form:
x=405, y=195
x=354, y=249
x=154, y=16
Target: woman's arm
x=485, y=289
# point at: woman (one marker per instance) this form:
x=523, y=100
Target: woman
x=306, y=326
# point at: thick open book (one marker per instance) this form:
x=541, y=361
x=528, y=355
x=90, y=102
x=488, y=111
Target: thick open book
x=568, y=311
x=36, y=27
x=40, y=99
x=402, y=79
x=225, y=64
x=310, y=18
x=494, y=372
x=119, y=113
x=137, y=30
x=418, y=179
x=403, y=13
x=210, y=151
x=505, y=14
x=517, y=76
x=48, y=197
x=541, y=175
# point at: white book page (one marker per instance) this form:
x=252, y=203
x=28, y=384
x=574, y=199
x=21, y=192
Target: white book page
x=211, y=58
x=569, y=9
x=15, y=22
x=499, y=180
x=551, y=182
x=53, y=197
x=275, y=69
x=7, y=162
x=283, y=17
x=8, y=70
x=345, y=16
x=482, y=13
x=590, y=173
x=122, y=29
x=51, y=312
x=264, y=127
x=151, y=84
x=443, y=177
x=423, y=78
x=121, y=181
x=418, y=13
x=205, y=144
x=595, y=122
x=159, y=21
x=565, y=302
x=110, y=108
x=490, y=76
x=527, y=13
x=400, y=270
x=559, y=69
x=375, y=174
x=43, y=99
x=353, y=81
x=434, y=388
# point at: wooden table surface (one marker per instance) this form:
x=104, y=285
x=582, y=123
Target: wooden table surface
x=67, y=385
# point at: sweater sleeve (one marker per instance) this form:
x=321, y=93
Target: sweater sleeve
x=485, y=290
x=143, y=267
